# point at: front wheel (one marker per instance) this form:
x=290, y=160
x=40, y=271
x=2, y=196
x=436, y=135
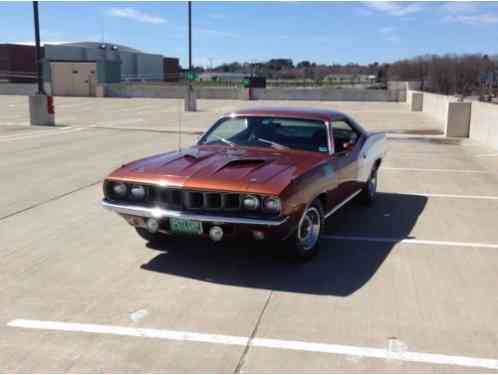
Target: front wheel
x=367, y=196
x=305, y=242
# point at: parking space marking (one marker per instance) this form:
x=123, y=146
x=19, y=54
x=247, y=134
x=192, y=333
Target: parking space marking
x=38, y=134
x=348, y=350
x=437, y=170
x=485, y=155
x=456, y=196
x=411, y=241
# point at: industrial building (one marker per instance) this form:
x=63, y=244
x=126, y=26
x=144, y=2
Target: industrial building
x=77, y=69
x=17, y=63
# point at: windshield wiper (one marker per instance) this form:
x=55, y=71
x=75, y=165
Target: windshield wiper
x=274, y=144
x=224, y=140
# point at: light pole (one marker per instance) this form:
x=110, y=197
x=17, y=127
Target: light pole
x=38, y=49
x=190, y=36
x=190, y=99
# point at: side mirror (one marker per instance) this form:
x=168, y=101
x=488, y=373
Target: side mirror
x=346, y=146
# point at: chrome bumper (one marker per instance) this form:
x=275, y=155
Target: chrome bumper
x=160, y=213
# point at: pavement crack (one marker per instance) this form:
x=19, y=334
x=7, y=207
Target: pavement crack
x=49, y=200
x=243, y=357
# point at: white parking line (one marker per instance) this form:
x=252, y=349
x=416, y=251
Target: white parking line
x=358, y=351
x=456, y=196
x=485, y=155
x=437, y=170
x=411, y=241
x=38, y=134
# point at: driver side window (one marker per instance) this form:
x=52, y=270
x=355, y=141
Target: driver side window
x=345, y=136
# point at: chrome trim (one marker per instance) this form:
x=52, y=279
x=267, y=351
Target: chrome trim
x=342, y=203
x=160, y=213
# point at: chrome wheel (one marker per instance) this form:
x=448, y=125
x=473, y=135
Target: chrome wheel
x=372, y=185
x=308, y=231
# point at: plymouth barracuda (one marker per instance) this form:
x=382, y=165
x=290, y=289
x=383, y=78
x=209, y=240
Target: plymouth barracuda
x=267, y=174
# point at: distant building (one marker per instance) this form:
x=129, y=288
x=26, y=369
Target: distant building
x=171, y=68
x=222, y=76
x=17, y=63
x=76, y=69
x=349, y=78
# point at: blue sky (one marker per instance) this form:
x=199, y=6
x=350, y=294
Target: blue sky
x=340, y=32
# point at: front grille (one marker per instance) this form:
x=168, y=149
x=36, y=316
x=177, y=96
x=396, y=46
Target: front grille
x=198, y=200
x=192, y=200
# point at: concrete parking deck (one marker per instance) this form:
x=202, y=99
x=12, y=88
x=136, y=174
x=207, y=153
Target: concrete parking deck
x=408, y=284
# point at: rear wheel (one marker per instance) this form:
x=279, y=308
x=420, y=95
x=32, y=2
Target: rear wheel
x=369, y=192
x=305, y=242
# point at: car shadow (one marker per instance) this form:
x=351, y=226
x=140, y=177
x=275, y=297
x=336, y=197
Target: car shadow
x=341, y=268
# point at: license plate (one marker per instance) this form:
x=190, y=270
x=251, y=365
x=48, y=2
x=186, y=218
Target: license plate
x=185, y=226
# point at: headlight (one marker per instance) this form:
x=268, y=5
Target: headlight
x=138, y=192
x=272, y=205
x=120, y=189
x=250, y=203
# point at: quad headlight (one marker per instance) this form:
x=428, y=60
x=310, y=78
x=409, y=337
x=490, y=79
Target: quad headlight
x=138, y=192
x=120, y=189
x=250, y=202
x=272, y=205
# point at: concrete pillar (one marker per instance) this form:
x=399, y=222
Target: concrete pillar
x=100, y=91
x=417, y=102
x=41, y=112
x=245, y=94
x=190, y=100
x=458, y=122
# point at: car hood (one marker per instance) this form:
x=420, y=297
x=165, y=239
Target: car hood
x=240, y=169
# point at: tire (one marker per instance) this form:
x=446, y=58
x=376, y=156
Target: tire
x=150, y=237
x=369, y=192
x=305, y=242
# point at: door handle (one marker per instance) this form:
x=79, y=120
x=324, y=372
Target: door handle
x=364, y=155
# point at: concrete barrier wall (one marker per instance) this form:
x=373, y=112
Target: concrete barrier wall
x=434, y=105
x=18, y=88
x=233, y=93
x=484, y=123
x=329, y=94
x=122, y=90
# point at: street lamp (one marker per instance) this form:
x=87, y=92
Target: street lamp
x=190, y=99
x=38, y=49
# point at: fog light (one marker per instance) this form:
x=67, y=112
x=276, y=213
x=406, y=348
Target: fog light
x=258, y=235
x=152, y=225
x=216, y=233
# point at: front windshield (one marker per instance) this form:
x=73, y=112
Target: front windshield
x=274, y=132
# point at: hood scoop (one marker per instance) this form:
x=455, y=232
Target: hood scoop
x=251, y=164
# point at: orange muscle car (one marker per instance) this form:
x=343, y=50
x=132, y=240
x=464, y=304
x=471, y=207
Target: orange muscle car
x=268, y=173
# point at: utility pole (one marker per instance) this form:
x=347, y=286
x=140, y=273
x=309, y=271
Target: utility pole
x=38, y=49
x=41, y=106
x=190, y=36
x=190, y=99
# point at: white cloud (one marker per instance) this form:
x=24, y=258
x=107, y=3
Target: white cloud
x=136, y=15
x=476, y=19
x=455, y=7
x=398, y=9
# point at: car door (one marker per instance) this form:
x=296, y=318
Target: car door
x=345, y=139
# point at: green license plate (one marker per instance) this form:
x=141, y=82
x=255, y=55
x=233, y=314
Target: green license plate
x=185, y=226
